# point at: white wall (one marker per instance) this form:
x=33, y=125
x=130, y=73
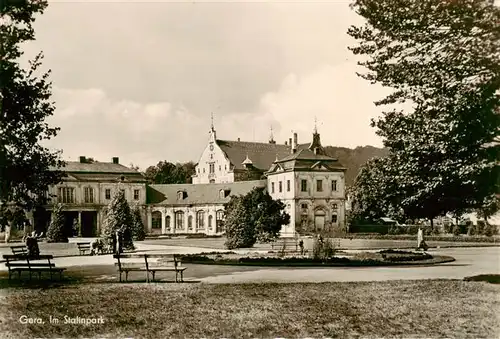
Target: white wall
x=100, y=192
x=314, y=199
x=215, y=155
x=169, y=211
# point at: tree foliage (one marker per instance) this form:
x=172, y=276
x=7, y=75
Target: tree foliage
x=56, y=231
x=24, y=107
x=441, y=58
x=254, y=217
x=138, y=232
x=375, y=193
x=118, y=219
x=168, y=173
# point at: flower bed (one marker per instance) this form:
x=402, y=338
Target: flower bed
x=381, y=258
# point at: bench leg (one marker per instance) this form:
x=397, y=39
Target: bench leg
x=120, y=276
x=153, y=275
x=182, y=276
x=126, y=275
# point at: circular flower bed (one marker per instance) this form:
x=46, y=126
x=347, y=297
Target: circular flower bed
x=380, y=258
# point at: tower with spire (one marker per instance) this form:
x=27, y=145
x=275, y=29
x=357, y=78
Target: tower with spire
x=271, y=136
x=213, y=135
x=315, y=145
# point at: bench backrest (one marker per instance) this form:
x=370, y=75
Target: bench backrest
x=11, y=260
x=289, y=243
x=147, y=259
x=83, y=244
x=19, y=249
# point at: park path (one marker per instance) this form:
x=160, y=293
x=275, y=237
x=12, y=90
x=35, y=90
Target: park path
x=469, y=262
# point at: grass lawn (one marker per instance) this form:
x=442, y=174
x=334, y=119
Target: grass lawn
x=425, y=308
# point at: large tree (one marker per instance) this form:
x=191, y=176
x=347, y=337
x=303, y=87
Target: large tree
x=254, y=217
x=24, y=107
x=375, y=193
x=169, y=173
x=442, y=59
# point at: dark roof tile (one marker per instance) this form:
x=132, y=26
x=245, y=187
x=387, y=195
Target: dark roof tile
x=261, y=154
x=199, y=194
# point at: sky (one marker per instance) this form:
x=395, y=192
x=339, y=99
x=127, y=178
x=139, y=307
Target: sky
x=139, y=80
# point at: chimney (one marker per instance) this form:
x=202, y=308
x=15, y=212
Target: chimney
x=116, y=160
x=290, y=141
x=238, y=139
x=286, y=143
x=294, y=145
x=82, y=159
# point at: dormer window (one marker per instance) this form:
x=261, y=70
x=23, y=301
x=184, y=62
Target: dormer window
x=181, y=195
x=224, y=193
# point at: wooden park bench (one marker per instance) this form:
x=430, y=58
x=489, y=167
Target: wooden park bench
x=83, y=247
x=142, y=262
x=22, y=262
x=20, y=249
x=290, y=244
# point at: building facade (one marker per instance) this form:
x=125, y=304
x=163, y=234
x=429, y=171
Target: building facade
x=86, y=190
x=312, y=186
x=309, y=182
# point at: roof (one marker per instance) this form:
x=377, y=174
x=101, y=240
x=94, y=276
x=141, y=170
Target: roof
x=95, y=167
x=199, y=194
x=99, y=171
x=261, y=154
x=128, y=177
x=306, y=160
x=306, y=154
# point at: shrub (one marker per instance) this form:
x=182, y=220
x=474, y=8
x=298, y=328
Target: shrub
x=490, y=230
x=456, y=230
x=254, y=216
x=118, y=220
x=323, y=249
x=56, y=231
x=138, y=232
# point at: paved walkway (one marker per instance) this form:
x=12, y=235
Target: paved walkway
x=469, y=262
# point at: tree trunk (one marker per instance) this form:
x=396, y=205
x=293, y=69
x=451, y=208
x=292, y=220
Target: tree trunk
x=432, y=225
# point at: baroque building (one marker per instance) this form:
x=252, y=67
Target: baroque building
x=303, y=176
x=86, y=190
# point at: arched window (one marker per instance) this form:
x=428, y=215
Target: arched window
x=156, y=220
x=222, y=195
x=210, y=217
x=179, y=220
x=190, y=222
x=167, y=223
x=200, y=220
